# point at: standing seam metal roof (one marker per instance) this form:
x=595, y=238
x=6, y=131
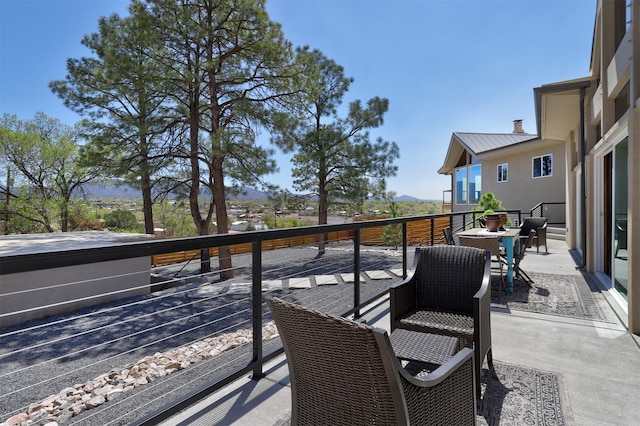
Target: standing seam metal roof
x=479, y=143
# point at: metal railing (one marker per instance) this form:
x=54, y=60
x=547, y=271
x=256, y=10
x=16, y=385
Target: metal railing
x=554, y=212
x=350, y=258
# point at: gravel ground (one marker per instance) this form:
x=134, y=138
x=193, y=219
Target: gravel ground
x=42, y=357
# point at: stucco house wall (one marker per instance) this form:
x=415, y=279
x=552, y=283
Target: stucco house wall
x=522, y=191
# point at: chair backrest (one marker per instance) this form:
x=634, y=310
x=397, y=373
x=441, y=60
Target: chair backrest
x=447, y=277
x=492, y=244
x=530, y=223
x=448, y=236
x=342, y=372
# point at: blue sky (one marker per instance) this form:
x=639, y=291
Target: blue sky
x=445, y=66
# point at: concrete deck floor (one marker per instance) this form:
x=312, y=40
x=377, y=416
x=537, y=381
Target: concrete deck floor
x=600, y=363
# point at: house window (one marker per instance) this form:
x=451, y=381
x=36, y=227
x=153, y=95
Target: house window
x=461, y=186
x=475, y=183
x=469, y=184
x=503, y=172
x=542, y=166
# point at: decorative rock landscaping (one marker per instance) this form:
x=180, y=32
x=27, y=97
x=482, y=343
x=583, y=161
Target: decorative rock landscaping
x=71, y=401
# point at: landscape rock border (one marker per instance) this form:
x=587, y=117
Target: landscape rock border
x=74, y=400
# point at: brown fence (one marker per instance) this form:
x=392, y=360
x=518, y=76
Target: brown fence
x=418, y=232
x=183, y=256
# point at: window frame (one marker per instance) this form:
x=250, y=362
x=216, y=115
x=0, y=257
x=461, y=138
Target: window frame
x=542, y=168
x=471, y=200
x=465, y=189
x=464, y=197
x=503, y=169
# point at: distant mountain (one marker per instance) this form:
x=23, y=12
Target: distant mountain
x=251, y=194
x=110, y=190
x=406, y=198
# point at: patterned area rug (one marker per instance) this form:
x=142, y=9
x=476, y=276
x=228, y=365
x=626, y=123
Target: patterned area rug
x=520, y=395
x=565, y=295
x=515, y=396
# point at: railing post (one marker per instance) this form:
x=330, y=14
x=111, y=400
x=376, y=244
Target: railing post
x=356, y=272
x=405, y=243
x=433, y=228
x=256, y=295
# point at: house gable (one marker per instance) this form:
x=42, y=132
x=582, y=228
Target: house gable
x=509, y=165
x=477, y=144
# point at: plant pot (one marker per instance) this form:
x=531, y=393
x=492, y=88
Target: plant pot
x=493, y=222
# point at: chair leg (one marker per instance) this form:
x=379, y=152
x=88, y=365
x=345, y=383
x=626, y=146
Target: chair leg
x=478, y=368
x=529, y=280
x=490, y=362
x=523, y=275
x=477, y=371
x=503, y=283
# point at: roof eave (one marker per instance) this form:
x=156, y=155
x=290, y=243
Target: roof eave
x=562, y=86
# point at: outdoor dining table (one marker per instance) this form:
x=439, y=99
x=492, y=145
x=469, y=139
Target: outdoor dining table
x=509, y=239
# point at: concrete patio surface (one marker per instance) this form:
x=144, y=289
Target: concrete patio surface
x=599, y=362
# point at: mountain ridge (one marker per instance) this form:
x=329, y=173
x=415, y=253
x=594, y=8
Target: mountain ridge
x=109, y=190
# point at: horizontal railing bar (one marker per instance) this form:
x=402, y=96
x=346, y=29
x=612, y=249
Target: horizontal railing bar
x=46, y=260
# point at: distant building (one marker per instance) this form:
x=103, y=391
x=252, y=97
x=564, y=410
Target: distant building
x=521, y=169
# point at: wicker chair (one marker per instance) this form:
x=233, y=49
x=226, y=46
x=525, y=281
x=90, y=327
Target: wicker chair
x=497, y=260
x=346, y=373
x=448, y=236
x=538, y=224
x=448, y=292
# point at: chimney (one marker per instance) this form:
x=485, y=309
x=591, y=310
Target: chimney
x=517, y=126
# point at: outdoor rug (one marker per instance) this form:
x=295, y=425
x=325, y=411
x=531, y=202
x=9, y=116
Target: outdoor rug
x=564, y=295
x=516, y=396
x=520, y=395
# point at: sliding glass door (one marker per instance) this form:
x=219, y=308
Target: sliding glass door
x=619, y=210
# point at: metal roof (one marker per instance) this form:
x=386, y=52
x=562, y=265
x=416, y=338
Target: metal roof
x=478, y=143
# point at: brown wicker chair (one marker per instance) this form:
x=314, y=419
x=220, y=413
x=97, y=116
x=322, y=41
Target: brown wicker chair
x=346, y=373
x=448, y=292
x=539, y=224
x=497, y=260
x=448, y=236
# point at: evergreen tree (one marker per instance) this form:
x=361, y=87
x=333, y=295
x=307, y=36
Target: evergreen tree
x=333, y=156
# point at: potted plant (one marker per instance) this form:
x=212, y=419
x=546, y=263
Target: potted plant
x=491, y=220
x=489, y=203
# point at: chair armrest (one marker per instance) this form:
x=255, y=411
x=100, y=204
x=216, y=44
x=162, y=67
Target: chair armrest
x=402, y=298
x=541, y=233
x=446, y=395
x=485, y=287
x=482, y=311
x=442, y=373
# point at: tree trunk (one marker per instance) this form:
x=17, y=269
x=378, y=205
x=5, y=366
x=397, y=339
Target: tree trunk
x=147, y=206
x=64, y=217
x=224, y=253
x=322, y=217
x=194, y=206
x=145, y=184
